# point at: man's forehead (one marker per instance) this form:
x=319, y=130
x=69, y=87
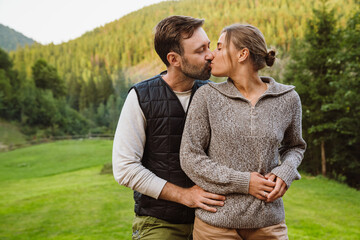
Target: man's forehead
x=198, y=39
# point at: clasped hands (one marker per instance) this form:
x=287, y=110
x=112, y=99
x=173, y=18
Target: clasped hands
x=267, y=188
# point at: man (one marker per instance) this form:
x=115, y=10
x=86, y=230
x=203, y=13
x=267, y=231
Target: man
x=147, y=139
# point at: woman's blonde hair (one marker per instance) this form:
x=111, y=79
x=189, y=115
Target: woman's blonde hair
x=248, y=36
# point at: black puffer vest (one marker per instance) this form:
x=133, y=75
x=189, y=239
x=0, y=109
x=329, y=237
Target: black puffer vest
x=165, y=118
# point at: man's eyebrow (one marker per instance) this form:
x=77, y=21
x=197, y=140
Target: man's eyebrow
x=219, y=44
x=203, y=45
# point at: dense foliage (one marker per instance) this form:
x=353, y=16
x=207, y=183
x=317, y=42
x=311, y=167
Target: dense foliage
x=44, y=106
x=10, y=39
x=325, y=68
x=37, y=107
x=128, y=42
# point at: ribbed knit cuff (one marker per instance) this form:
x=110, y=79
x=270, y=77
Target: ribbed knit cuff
x=287, y=174
x=241, y=181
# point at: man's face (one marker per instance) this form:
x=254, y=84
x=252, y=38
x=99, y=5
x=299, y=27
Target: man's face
x=196, y=57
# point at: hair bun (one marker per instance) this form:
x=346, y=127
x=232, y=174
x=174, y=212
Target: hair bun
x=270, y=58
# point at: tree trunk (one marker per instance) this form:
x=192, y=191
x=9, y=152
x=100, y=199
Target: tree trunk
x=323, y=159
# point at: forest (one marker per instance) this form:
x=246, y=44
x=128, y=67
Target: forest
x=78, y=87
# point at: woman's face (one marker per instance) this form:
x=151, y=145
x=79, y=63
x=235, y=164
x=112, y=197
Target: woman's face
x=221, y=65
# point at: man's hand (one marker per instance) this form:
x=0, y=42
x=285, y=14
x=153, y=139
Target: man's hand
x=194, y=197
x=279, y=190
x=259, y=186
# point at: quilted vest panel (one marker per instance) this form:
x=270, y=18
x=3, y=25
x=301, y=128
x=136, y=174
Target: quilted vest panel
x=165, y=119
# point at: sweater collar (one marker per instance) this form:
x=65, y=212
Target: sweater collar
x=274, y=88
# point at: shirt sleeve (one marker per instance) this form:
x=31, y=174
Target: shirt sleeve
x=292, y=147
x=128, y=149
x=202, y=170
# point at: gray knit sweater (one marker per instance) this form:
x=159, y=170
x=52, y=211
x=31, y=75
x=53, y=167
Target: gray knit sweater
x=225, y=139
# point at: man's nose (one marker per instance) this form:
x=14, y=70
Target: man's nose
x=209, y=55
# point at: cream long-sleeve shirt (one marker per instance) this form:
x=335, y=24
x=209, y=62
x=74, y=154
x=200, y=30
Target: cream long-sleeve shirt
x=128, y=148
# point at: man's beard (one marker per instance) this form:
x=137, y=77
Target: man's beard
x=194, y=72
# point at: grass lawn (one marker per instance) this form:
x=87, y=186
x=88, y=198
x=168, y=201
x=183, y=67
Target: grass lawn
x=318, y=208
x=56, y=191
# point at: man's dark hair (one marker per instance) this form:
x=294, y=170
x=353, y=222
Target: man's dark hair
x=170, y=31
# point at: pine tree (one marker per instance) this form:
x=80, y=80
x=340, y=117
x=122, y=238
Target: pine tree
x=105, y=87
x=10, y=83
x=346, y=105
x=311, y=72
x=74, y=92
x=46, y=77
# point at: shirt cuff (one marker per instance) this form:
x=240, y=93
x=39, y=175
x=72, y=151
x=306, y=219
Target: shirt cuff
x=157, y=187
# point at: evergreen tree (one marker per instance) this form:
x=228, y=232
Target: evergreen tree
x=9, y=89
x=113, y=112
x=84, y=99
x=346, y=104
x=311, y=71
x=101, y=115
x=105, y=87
x=92, y=93
x=46, y=77
x=5, y=94
x=325, y=70
x=74, y=92
x=5, y=62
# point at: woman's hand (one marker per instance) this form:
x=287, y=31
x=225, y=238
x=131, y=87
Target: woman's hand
x=259, y=186
x=280, y=187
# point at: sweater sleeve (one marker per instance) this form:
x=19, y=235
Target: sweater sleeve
x=128, y=149
x=292, y=147
x=201, y=169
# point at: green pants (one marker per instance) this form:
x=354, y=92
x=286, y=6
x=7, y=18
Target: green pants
x=146, y=228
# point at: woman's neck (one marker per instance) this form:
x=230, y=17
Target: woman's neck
x=249, y=84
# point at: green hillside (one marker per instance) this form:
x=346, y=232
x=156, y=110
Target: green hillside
x=126, y=44
x=55, y=158
x=10, y=39
x=56, y=191
x=10, y=135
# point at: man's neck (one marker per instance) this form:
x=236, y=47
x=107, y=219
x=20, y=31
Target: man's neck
x=178, y=81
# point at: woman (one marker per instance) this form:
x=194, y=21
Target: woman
x=242, y=138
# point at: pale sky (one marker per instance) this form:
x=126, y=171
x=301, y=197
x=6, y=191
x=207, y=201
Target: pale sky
x=58, y=21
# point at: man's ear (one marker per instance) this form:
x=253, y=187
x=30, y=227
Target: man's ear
x=174, y=59
x=243, y=54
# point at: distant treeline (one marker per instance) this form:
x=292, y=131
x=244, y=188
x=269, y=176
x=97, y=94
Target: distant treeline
x=128, y=41
x=45, y=106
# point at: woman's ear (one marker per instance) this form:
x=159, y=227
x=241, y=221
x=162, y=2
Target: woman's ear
x=243, y=54
x=174, y=59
